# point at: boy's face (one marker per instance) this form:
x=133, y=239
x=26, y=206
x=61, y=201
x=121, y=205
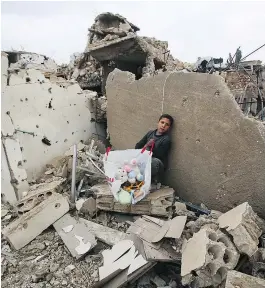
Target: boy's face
x=163, y=125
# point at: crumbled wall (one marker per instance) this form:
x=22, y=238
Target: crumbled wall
x=218, y=155
x=27, y=60
x=237, y=81
x=58, y=111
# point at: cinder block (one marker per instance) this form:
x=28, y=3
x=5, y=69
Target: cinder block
x=244, y=225
x=23, y=230
x=210, y=254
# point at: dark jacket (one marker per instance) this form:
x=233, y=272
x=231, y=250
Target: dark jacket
x=161, y=148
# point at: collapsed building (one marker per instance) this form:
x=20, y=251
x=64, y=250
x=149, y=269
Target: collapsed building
x=113, y=43
x=217, y=162
x=245, y=80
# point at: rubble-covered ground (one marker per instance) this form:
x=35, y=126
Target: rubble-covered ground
x=46, y=262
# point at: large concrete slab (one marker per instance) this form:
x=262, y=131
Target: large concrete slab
x=218, y=155
x=23, y=230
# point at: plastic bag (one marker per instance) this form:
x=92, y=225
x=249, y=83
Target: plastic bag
x=115, y=160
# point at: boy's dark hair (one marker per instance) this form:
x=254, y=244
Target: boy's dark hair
x=167, y=116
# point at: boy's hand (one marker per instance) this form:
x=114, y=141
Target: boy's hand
x=150, y=142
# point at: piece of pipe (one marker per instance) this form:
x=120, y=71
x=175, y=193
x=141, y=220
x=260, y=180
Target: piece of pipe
x=73, y=190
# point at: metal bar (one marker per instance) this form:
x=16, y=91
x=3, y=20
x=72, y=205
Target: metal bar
x=72, y=198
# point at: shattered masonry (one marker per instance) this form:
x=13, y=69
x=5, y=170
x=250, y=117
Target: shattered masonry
x=50, y=239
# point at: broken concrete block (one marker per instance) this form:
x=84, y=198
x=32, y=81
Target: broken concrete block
x=158, y=203
x=75, y=235
x=121, y=264
x=53, y=186
x=165, y=253
x=236, y=279
x=105, y=234
x=79, y=203
x=176, y=226
x=88, y=206
x=243, y=224
x=37, y=194
x=210, y=254
x=161, y=251
x=116, y=251
x=112, y=269
x=23, y=230
x=137, y=263
x=147, y=229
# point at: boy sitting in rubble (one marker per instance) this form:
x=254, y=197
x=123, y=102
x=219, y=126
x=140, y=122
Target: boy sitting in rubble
x=160, y=140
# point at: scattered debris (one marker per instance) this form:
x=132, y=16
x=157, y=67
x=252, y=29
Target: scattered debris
x=188, y=243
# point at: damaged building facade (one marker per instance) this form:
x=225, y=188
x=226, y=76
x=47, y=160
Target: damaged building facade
x=64, y=228
x=41, y=118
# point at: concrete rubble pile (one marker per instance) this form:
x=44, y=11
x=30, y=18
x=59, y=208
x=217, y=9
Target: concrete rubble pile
x=85, y=70
x=113, y=43
x=55, y=241
x=63, y=227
